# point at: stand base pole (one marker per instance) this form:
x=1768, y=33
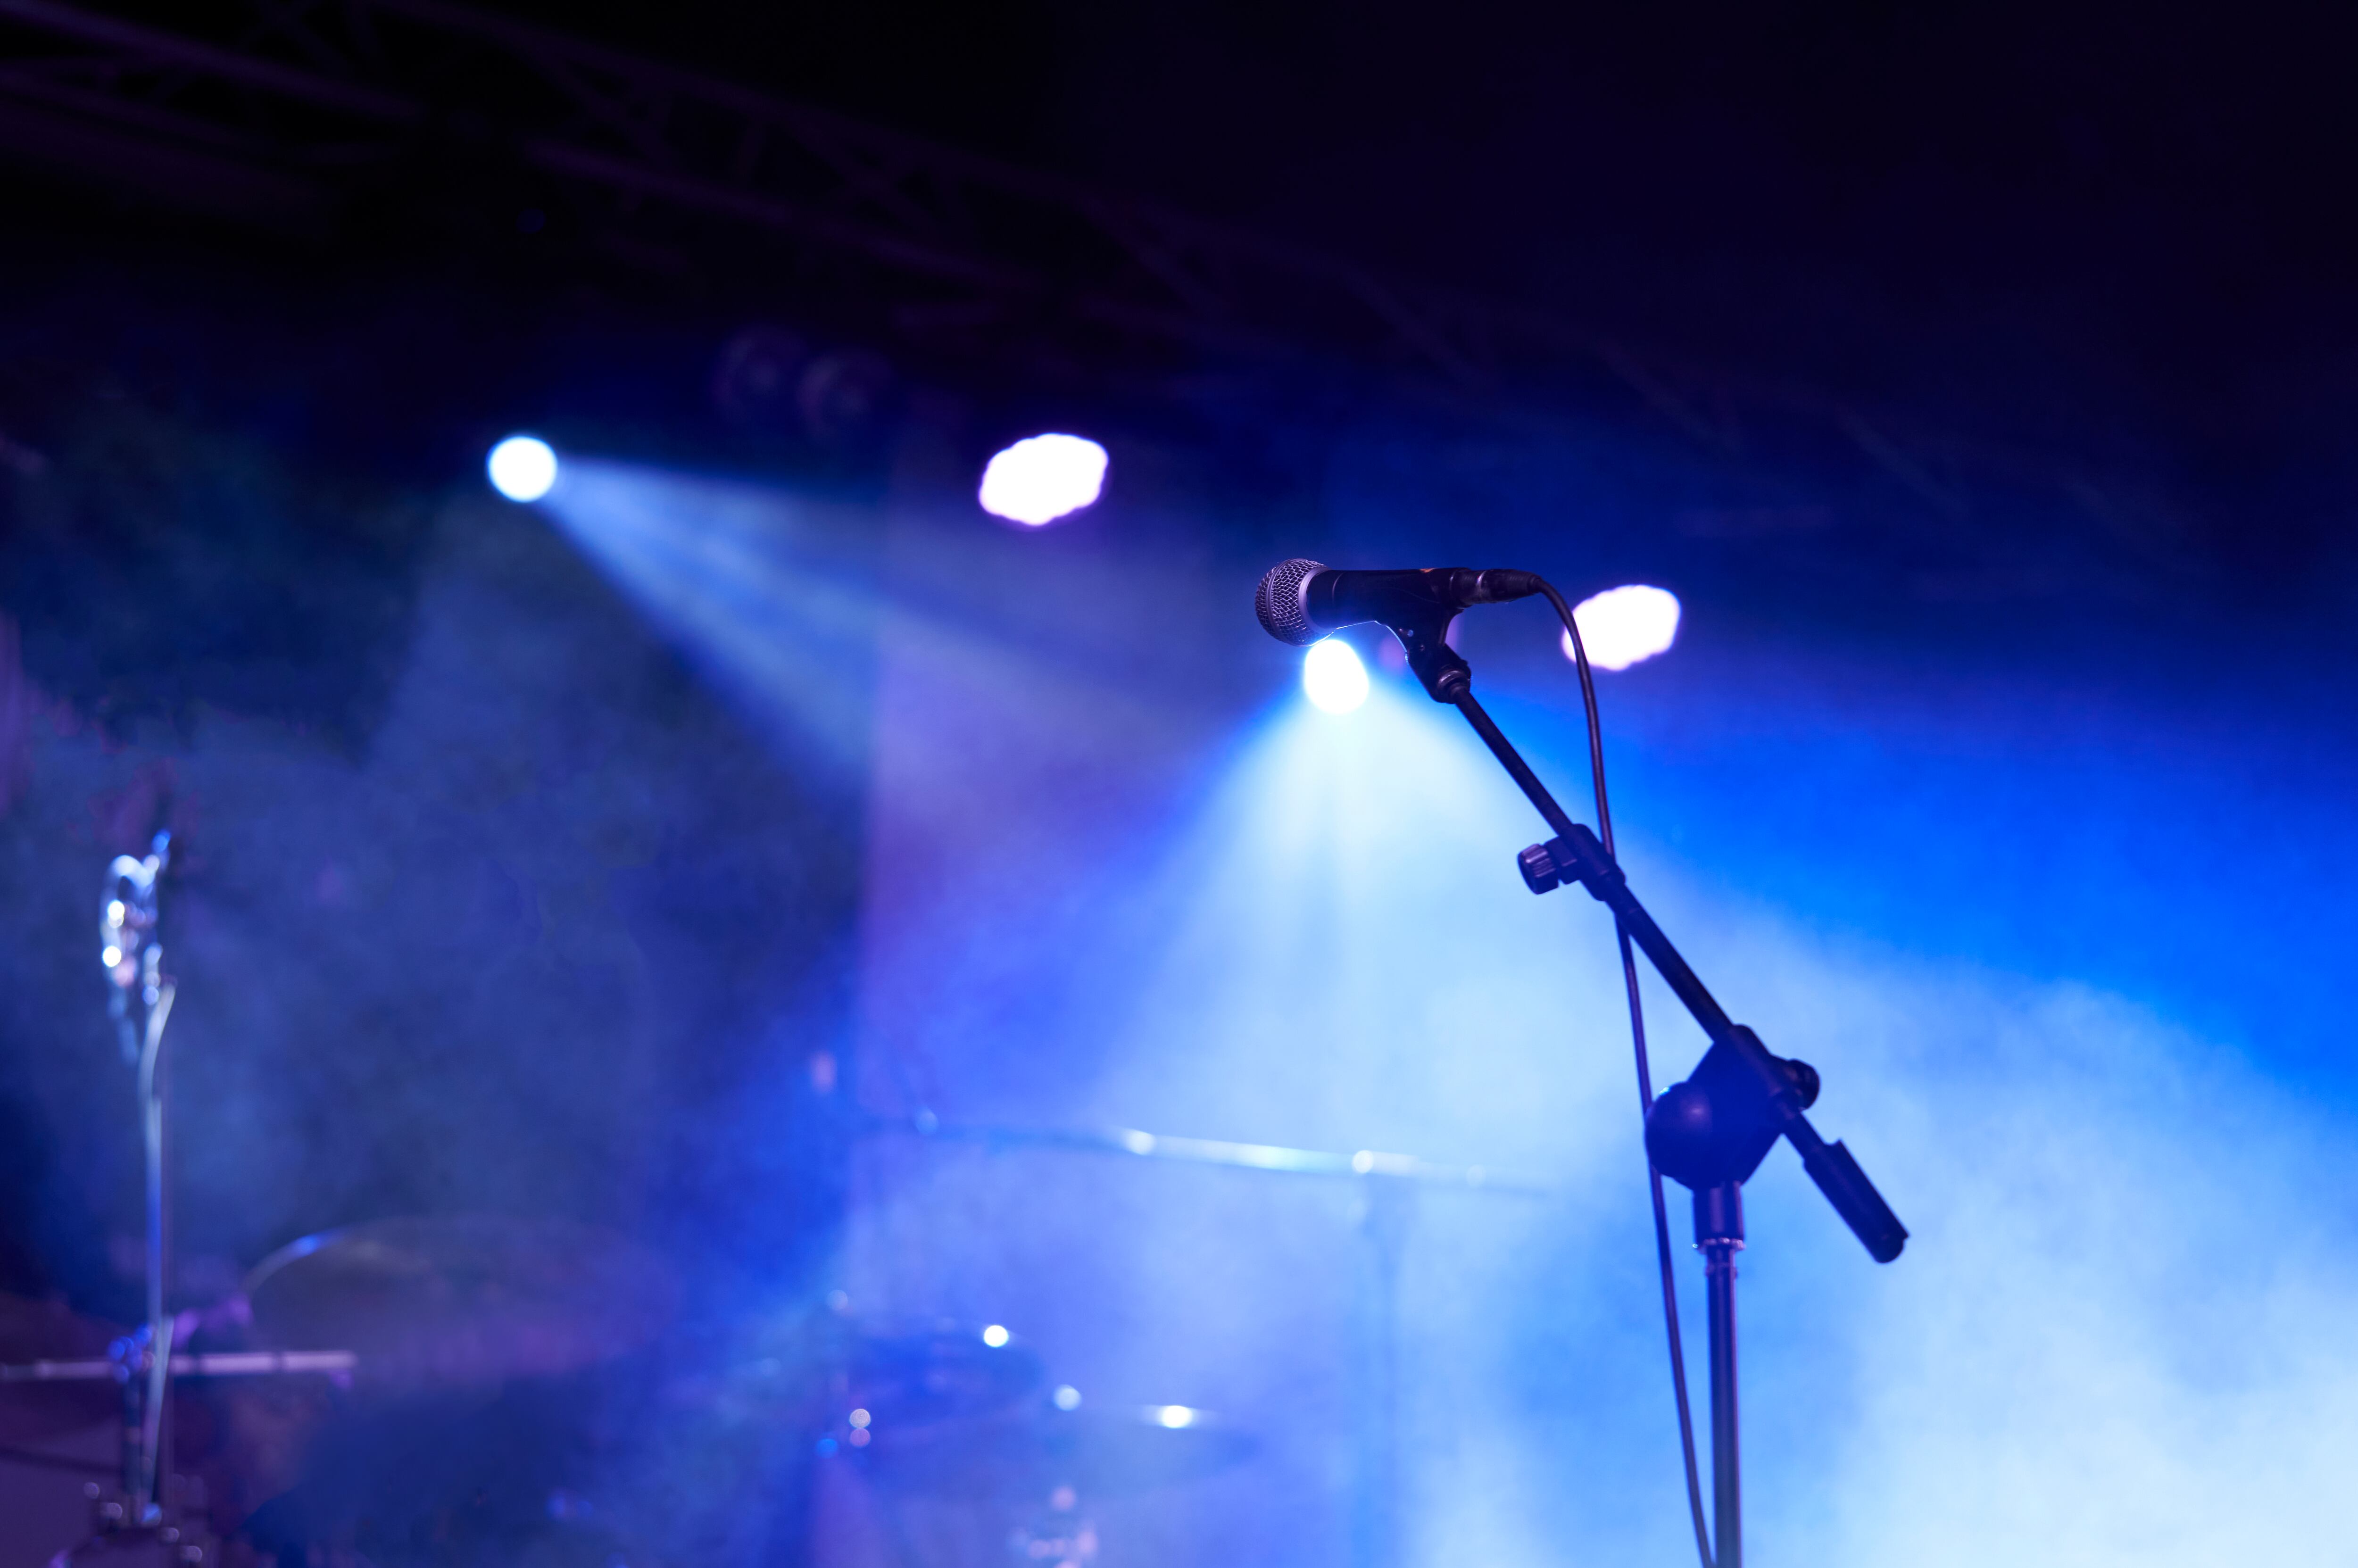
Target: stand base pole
x=1719, y=1232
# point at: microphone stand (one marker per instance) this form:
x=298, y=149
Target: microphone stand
x=1710, y=1132
x=140, y=1004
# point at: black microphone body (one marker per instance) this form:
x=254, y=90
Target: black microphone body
x=1301, y=601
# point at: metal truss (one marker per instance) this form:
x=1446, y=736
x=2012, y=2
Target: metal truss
x=314, y=93
x=288, y=110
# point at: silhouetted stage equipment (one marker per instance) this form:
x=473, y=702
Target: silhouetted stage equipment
x=43, y=1350
x=842, y=1376
x=411, y=1305
x=143, y=1522
x=1709, y=1133
x=436, y=1320
x=1389, y=1184
x=466, y=1300
x=907, y=1377
x=1029, y=1457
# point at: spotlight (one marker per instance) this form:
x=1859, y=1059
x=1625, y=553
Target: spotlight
x=1333, y=678
x=753, y=384
x=522, y=468
x=847, y=399
x=1042, y=478
x=1624, y=625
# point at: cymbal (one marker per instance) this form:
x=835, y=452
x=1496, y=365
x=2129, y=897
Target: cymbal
x=448, y=1302
x=44, y=1331
x=905, y=1375
x=1097, y=1452
x=901, y=1373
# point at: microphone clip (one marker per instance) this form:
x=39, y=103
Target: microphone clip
x=1425, y=638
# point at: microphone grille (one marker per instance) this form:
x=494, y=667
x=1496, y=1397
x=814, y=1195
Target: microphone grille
x=1278, y=602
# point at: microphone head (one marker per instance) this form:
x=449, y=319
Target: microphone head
x=1278, y=602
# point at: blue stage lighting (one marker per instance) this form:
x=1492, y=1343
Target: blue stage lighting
x=1333, y=678
x=1624, y=625
x=522, y=468
x=1042, y=478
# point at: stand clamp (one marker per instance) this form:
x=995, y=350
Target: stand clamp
x=1718, y=1126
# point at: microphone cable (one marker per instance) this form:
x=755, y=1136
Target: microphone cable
x=1645, y=1079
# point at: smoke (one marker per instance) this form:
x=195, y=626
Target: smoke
x=2117, y=1333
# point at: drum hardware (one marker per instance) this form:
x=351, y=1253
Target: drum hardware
x=431, y=1303
x=1041, y=1468
x=152, y=1515
x=1271, y=1157
x=156, y=1544
x=426, y=1304
x=902, y=1377
x=1058, y=1448
x=1389, y=1184
x=44, y=1334
x=213, y=1364
x=845, y=1379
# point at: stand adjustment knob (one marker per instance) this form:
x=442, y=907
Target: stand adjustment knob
x=1541, y=873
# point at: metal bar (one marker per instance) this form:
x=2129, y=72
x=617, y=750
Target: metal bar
x=1727, y=1493
x=223, y=63
x=220, y=1364
x=1512, y=761
x=1684, y=983
x=562, y=157
x=1442, y=322
x=1414, y=328
x=61, y=92
x=1218, y=1151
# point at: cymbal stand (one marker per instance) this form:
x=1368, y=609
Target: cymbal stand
x=1386, y=1205
x=1389, y=1184
x=140, y=1003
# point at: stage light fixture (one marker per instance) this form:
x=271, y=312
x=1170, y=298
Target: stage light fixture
x=1333, y=678
x=522, y=468
x=1625, y=626
x=1042, y=478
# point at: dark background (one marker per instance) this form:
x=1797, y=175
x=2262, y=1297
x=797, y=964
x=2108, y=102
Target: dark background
x=2101, y=246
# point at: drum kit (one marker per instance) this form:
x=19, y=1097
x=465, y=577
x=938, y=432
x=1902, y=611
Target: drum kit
x=236, y=1416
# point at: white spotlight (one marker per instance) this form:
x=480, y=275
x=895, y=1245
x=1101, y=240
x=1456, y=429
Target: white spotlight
x=522, y=468
x=1623, y=626
x=1333, y=678
x=1042, y=478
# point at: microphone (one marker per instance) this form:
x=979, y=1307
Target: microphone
x=1301, y=601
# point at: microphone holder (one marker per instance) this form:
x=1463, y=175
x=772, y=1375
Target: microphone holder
x=1710, y=1132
